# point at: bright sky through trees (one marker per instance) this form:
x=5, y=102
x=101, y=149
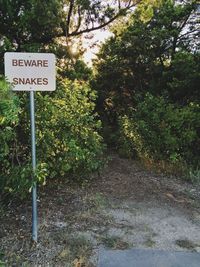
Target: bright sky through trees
x=92, y=45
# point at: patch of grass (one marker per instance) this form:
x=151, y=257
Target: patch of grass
x=149, y=243
x=92, y=213
x=94, y=222
x=76, y=252
x=185, y=243
x=60, y=200
x=2, y=209
x=194, y=175
x=13, y=260
x=114, y=242
x=96, y=201
x=2, y=263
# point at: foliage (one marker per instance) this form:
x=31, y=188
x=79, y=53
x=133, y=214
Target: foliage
x=146, y=57
x=183, y=77
x=67, y=130
x=15, y=164
x=32, y=25
x=67, y=127
x=30, y=22
x=148, y=84
x=29, y=25
x=77, y=70
x=194, y=175
x=83, y=16
x=9, y=119
x=159, y=131
x=68, y=142
x=9, y=110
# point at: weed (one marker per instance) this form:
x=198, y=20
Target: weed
x=2, y=263
x=184, y=243
x=114, y=242
x=76, y=252
x=194, y=175
x=60, y=200
x=149, y=243
x=97, y=200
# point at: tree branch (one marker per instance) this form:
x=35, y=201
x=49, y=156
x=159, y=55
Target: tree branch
x=129, y=3
x=94, y=28
x=121, y=11
x=79, y=20
x=69, y=17
x=119, y=4
x=184, y=22
x=189, y=32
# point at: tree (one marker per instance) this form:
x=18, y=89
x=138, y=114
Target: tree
x=84, y=16
x=29, y=25
x=33, y=25
x=36, y=21
x=143, y=58
x=30, y=22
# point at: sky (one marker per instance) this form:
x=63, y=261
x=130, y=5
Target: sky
x=92, y=45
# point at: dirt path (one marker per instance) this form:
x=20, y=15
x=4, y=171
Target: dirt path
x=123, y=208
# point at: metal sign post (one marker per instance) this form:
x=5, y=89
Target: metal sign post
x=31, y=72
x=33, y=154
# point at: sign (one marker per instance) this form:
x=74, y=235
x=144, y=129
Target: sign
x=30, y=71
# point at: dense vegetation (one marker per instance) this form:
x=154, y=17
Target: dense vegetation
x=146, y=78
x=68, y=142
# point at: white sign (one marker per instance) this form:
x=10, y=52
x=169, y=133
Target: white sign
x=30, y=71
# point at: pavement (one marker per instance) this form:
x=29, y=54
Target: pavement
x=147, y=258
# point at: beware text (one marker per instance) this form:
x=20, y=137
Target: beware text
x=29, y=63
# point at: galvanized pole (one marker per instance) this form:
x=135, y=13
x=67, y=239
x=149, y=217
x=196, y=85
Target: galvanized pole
x=33, y=152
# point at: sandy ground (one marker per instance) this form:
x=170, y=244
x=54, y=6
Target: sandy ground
x=123, y=207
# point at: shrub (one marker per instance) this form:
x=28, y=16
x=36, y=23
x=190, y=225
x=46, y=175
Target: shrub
x=10, y=178
x=9, y=111
x=161, y=131
x=15, y=175
x=67, y=130
x=67, y=136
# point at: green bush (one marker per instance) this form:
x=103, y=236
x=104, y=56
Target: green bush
x=67, y=130
x=10, y=175
x=15, y=175
x=68, y=142
x=159, y=131
x=9, y=110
